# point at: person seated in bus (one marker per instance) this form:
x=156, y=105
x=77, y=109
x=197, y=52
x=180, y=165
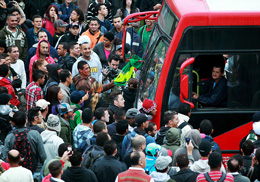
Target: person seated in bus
x=217, y=93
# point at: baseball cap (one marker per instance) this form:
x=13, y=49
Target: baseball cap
x=256, y=127
x=60, y=23
x=162, y=162
x=42, y=103
x=204, y=148
x=64, y=108
x=152, y=149
x=131, y=113
x=141, y=118
x=76, y=96
x=74, y=25
x=83, y=39
x=119, y=47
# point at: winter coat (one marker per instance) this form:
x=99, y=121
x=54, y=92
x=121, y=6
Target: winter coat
x=48, y=25
x=32, y=37
x=4, y=82
x=129, y=96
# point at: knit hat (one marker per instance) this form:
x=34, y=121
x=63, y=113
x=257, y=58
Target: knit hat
x=60, y=23
x=64, y=108
x=141, y=118
x=53, y=123
x=109, y=36
x=204, y=148
x=76, y=96
x=84, y=39
x=131, y=113
x=163, y=162
x=5, y=98
x=149, y=105
x=256, y=117
x=42, y=103
x=256, y=127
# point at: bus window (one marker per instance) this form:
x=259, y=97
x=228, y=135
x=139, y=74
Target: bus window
x=150, y=81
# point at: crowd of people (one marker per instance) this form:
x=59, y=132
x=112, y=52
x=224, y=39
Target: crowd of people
x=63, y=117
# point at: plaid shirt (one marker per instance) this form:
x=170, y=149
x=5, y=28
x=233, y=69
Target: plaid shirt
x=80, y=135
x=33, y=94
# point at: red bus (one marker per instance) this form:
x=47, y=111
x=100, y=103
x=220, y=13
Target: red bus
x=189, y=37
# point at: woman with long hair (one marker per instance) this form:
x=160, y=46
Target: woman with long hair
x=39, y=64
x=77, y=16
x=50, y=16
x=96, y=89
x=127, y=9
x=54, y=96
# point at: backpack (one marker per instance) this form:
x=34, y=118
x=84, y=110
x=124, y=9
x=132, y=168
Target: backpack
x=221, y=179
x=22, y=144
x=88, y=158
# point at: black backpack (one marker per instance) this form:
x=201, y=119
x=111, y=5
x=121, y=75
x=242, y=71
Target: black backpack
x=88, y=158
x=22, y=144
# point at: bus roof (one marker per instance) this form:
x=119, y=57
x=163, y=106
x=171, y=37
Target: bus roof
x=183, y=7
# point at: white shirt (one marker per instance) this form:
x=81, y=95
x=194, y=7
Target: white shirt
x=17, y=174
x=18, y=66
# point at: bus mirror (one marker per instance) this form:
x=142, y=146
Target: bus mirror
x=184, y=85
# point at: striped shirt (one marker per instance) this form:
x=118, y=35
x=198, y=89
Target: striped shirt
x=215, y=176
x=33, y=94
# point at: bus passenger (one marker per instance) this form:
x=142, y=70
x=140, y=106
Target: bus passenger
x=217, y=94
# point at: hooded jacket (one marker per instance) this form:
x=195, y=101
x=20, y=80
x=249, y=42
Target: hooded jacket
x=160, y=177
x=172, y=140
x=160, y=136
x=4, y=82
x=49, y=59
x=72, y=174
x=51, y=143
x=195, y=138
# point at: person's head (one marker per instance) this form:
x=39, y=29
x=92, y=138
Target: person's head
x=117, y=22
x=43, y=104
x=205, y=148
x=101, y=113
x=65, y=76
x=138, y=143
x=99, y=126
x=54, y=94
x=122, y=127
x=117, y=99
x=185, y=109
x=60, y=26
x=87, y=116
x=120, y=114
x=84, y=68
x=182, y=161
x=76, y=158
x=102, y=138
x=19, y=119
x=4, y=70
x=130, y=116
x=15, y=12
x=68, y=2
x=34, y=116
x=93, y=25
x=206, y=127
x=2, y=47
x=149, y=107
x=215, y=161
x=171, y=119
x=13, y=156
x=152, y=129
x=40, y=64
x=51, y=12
x=162, y=163
x=62, y=148
x=74, y=29
x=55, y=168
x=108, y=39
x=142, y=120
x=39, y=77
x=247, y=148
x=149, y=23
x=42, y=35
x=86, y=50
x=217, y=72
x=77, y=15
x=152, y=149
x=37, y=21
x=137, y=158
x=113, y=61
x=62, y=49
x=130, y=4
x=5, y=98
x=76, y=96
x=110, y=147
x=74, y=49
x=12, y=21
x=232, y=165
x=44, y=48
x=101, y=9
x=132, y=84
x=65, y=111
x=13, y=52
x=53, y=123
